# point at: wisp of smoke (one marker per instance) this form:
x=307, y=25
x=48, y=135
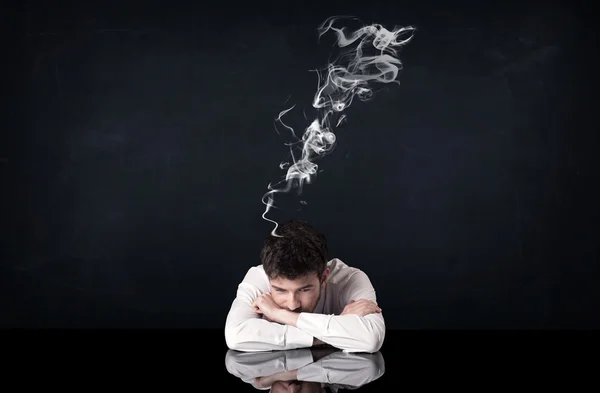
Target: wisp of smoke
x=349, y=76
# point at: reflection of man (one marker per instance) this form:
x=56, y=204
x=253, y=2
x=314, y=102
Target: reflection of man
x=298, y=298
x=305, y=370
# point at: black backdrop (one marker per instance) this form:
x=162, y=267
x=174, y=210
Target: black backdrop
x=466, y=193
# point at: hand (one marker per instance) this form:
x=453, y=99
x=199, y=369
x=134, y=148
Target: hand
x=265, y=305
x=269, y=380
x=361, y=307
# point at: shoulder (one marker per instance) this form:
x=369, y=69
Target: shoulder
x=256, y=277
x=255, y=271
x=349, y=279
x=343, y=273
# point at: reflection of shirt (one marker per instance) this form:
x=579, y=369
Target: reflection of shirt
x=246, y=330
x=338, y=370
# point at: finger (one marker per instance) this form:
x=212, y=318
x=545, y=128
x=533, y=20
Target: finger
x=370, y=309
x=374, y=305
x=368, y=303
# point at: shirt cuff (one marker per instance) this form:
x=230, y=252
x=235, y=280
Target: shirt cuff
x=297, y=359
x=296, y=338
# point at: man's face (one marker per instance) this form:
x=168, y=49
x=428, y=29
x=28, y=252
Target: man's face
x=299, y=295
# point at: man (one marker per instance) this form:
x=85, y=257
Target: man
x=298, y=298
x=306, y=369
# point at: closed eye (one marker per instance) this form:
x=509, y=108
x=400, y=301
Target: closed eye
x=301, y=290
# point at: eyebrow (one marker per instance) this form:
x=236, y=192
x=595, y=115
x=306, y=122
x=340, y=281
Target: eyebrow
x=304, y=287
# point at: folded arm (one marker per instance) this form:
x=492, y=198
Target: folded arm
x=248, y=366
x=349, y=332
x=262, y=369
x=247, y=331
x=348, y=370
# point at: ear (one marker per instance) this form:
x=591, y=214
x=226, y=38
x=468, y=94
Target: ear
x=325, y=275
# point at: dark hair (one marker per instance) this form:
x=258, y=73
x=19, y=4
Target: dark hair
x=299, y=250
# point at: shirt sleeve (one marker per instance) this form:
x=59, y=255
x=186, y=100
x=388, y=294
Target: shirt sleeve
x=347, y=369
x=247, y=331
x=350, y=333
x=250, y=365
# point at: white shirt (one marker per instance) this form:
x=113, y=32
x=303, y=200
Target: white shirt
x=247, y=331
x=338, y=369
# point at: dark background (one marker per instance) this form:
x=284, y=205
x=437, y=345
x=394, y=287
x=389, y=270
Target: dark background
x=468, y=193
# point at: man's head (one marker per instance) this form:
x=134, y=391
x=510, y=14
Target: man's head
x=296, y=264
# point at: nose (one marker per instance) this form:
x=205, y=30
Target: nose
x=293, y=303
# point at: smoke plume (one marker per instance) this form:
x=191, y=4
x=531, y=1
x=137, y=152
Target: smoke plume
x=370, y=57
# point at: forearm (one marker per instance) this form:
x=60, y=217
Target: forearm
x=254, y=335
x=350, y=370
x=290, y=318
x=351, y=333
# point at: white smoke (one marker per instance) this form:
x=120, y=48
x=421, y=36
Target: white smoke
x=349, y=76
